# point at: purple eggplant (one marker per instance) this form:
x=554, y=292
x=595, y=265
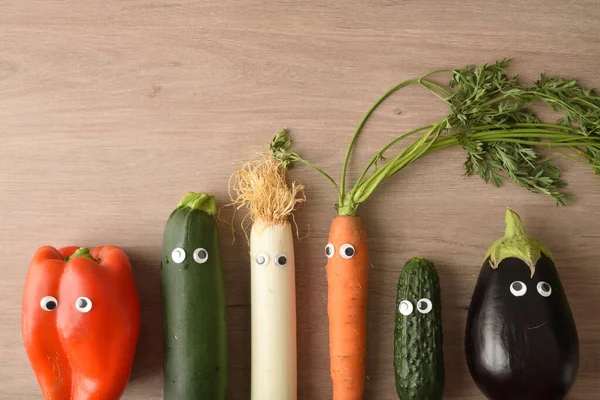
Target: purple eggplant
x=521, y=341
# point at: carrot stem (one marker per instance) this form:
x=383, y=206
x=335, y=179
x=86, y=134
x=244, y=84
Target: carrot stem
x=359, y=129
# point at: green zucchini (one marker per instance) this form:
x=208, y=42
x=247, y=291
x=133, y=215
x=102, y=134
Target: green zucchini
x=418, y=354
x=193, y=303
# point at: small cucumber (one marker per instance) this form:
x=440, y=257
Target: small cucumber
x=193, y=303
x=418, y=354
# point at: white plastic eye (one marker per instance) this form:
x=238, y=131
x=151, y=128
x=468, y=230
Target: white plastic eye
x=347, y=251
x=424, y=306
x=329, y=250
x=178, y=255
x=48, y=303
x=83, y=304
x=200, y=255
x=280, y=260
x=544, y=288
x=405, y=307
x=262, y=259
x=518, y=288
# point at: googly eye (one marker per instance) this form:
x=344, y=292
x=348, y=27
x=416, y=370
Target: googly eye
x=280, y=260
x=405, y=307
x=48, y=303
x=178, y=255
x=329, y=250
x=544, y=288
x=347, y=251
x=200, y=255
x=424, y=306
x=518, y=288
x=83, y=304
x=262, y=259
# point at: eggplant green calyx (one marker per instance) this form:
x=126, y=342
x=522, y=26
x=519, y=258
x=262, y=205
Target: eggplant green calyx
x=82, y=252
x=199, y=201
x=516, y=244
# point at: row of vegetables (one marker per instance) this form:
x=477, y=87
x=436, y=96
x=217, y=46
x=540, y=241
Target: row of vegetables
x=81, y=312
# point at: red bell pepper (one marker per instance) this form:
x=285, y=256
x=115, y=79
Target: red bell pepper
x=80, y=322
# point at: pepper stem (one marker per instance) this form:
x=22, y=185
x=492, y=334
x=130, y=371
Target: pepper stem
x=516, y=244
x=199, y=201
x=81, y=252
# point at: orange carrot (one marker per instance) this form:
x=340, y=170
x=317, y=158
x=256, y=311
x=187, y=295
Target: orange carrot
x=347, y=278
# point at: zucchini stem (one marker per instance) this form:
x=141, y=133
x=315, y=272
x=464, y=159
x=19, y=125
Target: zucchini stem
x=199, y=201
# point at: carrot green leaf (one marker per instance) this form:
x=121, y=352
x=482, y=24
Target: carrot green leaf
x=489, y=116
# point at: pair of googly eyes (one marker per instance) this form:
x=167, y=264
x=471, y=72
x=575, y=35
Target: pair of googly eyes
x=263, y=259
x=200, y=255
x=424, y=306
x=518, y=288
x=82, y=304
x=346, y=250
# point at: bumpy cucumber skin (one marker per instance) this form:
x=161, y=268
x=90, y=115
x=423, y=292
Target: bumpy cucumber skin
x=193, y=305
x=418, y=352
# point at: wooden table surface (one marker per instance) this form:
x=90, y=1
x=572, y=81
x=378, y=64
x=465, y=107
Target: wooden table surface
x=110, y=110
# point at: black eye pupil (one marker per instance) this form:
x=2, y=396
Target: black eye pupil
x=328, y=250
x=50, y=305
x=349, y=251
x=202, y=254
x=517, y=286
x=422, y=305
x=545, y=287
x=82, y=303
x=282, y=260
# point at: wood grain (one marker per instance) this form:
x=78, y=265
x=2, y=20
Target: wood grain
x=111, y=110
